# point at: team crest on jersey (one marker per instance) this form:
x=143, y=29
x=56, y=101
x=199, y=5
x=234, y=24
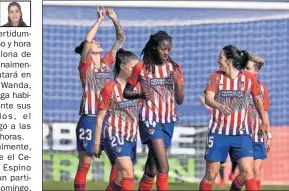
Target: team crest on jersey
x=85, y=144
x=151, y=131
x=241, y=84
x=118, y=149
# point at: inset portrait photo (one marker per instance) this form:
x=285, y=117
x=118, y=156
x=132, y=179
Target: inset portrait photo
x=15, y=14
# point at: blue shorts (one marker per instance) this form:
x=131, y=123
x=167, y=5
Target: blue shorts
x=85, y=133
x=259, y=150
x=218, y=147
x=115, y=147
x=163, y=131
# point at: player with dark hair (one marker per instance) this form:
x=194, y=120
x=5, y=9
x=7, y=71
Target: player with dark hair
x=234, y=165
x=228, y=92
x=94, y=72
x=162, y=83
x=120, y=119
x=254, y=66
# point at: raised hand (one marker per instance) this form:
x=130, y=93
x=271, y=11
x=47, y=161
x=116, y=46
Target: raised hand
x=111, y=14
x=100, y=13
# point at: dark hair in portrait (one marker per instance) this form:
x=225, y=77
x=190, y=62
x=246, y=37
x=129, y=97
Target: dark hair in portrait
x=15, y=18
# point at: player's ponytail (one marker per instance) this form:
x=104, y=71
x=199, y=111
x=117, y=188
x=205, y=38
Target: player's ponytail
x=122, y=57
x=244, y=58
x=238, y=58
x=79, y=48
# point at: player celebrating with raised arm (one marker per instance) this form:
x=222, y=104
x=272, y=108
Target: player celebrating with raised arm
x=254, y=66
x=228, y=92
x=120, y=119
x=94, y=74
x=162, y=84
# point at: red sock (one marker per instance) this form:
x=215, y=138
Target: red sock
x=112, y=173
x=127, y=184
x=204, y=186
x=237, y=184
x=251, y=184
x=162, y=181
x=113, y=186
x=258, y=184
x=80, y=177
x=146, y=183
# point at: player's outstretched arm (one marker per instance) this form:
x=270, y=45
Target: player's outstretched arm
x=120, y=35
x=98, y=129
x=91, y=33
x=128, y=93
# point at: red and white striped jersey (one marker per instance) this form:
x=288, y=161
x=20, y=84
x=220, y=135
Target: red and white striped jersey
x=161, y=108
x=254, y=116
x=93, y=80
x=234, y=93
x=122, y=114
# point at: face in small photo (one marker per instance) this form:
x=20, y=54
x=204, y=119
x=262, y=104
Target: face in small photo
x=16, y=12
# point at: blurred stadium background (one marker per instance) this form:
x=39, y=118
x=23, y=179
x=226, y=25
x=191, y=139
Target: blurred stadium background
x=198, y=35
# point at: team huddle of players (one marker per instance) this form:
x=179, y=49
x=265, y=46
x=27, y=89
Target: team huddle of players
x=140, y=98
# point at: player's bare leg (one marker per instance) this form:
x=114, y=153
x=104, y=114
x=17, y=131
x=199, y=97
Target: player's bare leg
x=247, y=173
x=257, y=171
x=84, y=163
x=125, y=166
x=147, y=181
x=159, y=154
x=212, y=170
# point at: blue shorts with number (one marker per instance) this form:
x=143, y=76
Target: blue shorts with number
x=85, y=134
x=238, y=146
x=115, y=147
x=152, y=130
x=259, y=150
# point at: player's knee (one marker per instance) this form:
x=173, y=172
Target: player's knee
x=151, y=171
x=163, y=167
x=127, y=172
x=210, y=176
x=85, y=158
x=247, y=173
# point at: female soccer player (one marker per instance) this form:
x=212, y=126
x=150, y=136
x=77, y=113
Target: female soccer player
x=162, y=83
x=254, y=66
x=94, y=74
x=228, y=92
x=234, y=164
x=120, y=119
x=15, y=18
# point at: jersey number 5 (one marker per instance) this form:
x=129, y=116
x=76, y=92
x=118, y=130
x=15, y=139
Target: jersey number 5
x=85, y=134
x=210, y=141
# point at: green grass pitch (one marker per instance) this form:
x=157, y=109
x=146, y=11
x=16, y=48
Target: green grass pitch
x=178, y=186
